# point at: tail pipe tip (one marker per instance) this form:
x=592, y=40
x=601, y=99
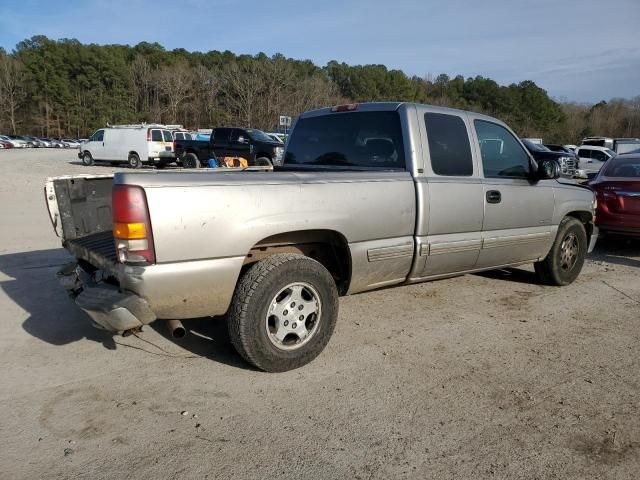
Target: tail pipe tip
x=176, y=328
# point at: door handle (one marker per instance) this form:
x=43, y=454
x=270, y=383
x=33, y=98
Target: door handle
x=494, y=196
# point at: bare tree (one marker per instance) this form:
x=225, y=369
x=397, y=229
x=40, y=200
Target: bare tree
x=12, y=88
x=242, y=86
x=174, y=84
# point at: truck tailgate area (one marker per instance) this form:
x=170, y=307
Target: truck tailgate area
x=98, y=249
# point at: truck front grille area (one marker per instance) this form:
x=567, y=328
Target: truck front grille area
x=568, y=166
x=98, y=249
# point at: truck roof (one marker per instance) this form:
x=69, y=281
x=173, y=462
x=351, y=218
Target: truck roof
x=390, y=106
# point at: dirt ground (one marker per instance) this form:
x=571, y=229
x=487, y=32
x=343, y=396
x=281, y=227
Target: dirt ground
x=481, y=376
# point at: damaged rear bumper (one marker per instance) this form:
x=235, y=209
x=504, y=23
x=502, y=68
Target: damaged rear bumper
x=108, y=307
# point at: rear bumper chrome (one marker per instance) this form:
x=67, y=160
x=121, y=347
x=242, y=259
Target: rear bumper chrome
x=108, y=307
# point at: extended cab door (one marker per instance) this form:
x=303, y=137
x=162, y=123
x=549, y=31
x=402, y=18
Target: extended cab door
x=220, y=142
x=518, y=211
x=240, y=144
x=449, y=196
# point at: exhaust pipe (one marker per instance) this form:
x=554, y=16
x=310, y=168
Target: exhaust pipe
x=176, y=328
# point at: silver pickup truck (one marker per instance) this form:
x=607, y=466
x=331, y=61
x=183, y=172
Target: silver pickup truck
x=369, y=196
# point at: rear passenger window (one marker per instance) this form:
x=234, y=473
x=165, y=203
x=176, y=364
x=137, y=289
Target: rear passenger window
x=584, y=153
x=167, y=136
x=448, y=144
x=156, y=135
x=502, y=154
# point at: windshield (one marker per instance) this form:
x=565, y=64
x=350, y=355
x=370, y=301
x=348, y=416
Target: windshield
x=258, y=135
x=356, y=139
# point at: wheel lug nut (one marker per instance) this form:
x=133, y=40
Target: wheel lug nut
x=294, y=325
x=293, y=304
x=286, y=312
x=300, y=307
x=301, y=317
x=286, y=323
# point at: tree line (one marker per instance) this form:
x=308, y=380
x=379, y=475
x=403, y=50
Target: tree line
x=63, y=88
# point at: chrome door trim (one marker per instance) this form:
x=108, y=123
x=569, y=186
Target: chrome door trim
x=505, y=241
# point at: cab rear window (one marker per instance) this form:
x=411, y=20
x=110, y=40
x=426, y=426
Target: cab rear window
x=156, y=135
x=371, y=140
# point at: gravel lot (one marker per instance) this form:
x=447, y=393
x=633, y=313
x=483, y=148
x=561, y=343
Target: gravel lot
x=481, y=376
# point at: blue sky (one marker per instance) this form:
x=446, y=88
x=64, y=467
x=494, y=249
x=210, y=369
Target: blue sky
x=577, y=50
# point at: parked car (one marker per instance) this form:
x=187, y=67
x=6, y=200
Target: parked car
x=70, y=143
x=247, y=146
x=5, y=144
x=36, y=142
x=617, y=187
x=46, y=142
x=134, y=144
x=16, y=142
x=568, y=161
x=591, y=159
x=370, y=195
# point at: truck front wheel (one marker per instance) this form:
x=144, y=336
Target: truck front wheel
x=283, y=312
x=190, y=160
x=262, y=162
x=564, y=262
x=87, y=159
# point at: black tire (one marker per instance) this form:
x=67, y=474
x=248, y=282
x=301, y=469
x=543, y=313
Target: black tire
x=87, y=159
x=134, y=161
x=248, y=322
x=190, y=160
x=561, y=267
x=262, y=162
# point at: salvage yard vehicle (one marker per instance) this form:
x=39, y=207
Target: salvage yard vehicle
x=617, y=187
x=254, y=147
x=369, y=196
x=592, y=159
x=568, y=161
x=133, y=144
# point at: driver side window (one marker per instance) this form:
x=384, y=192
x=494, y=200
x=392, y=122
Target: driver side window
x=238, y=136
x=98, y=136
x=502, y=155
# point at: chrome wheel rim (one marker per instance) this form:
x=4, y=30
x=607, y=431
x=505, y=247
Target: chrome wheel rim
x=569, y=252
x=294, y=316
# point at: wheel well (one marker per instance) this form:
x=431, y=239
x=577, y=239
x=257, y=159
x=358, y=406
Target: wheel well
x=263, y=154
x=328, y=247
x=586, y=218
x=132, y=153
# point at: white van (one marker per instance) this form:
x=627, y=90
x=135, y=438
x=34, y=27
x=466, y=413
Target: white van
x=133, y=144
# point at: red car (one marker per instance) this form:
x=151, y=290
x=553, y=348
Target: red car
x=4, y=144
x=617, y=188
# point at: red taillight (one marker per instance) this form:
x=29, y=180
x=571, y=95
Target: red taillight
x=132, y=226
x=174, y=145
x=349, y=107
x=148, y=135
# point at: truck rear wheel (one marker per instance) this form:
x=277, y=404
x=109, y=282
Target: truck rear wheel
x=283, y=312
x=190, y=160
x=134, y=161
x=564, y=262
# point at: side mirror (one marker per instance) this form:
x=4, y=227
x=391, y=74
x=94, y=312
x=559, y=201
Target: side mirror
x=548, y=169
